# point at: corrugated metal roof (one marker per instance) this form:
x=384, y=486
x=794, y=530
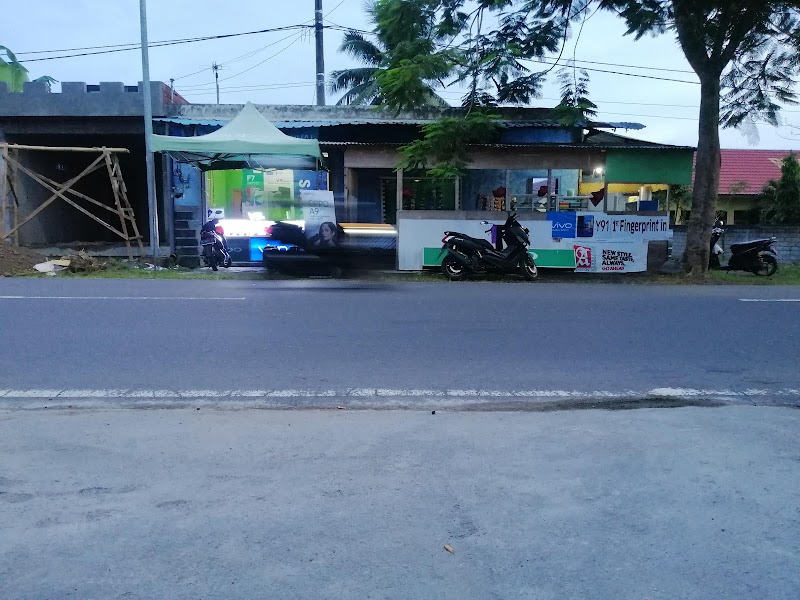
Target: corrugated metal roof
x=183, y=121
x=343, y=122
x=598, y=146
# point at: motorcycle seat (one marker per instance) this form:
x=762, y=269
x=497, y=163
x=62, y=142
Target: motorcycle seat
x=750, y=245
x=480, y=241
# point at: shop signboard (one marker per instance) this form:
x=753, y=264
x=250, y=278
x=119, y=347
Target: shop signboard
x=628, y=227
x=571, y=225
x=563, y=224
x=610, y=257
x=319, y=214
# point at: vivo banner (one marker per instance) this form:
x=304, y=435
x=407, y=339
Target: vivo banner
x=612, y=228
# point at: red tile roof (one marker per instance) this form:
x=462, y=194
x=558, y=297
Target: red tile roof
x=745, y=172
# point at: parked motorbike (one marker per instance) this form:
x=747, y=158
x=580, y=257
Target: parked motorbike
x=215, y=246
x=755, y=256
x=466, y=255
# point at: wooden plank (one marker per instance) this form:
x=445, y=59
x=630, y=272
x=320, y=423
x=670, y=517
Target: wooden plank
x=128, y=209
x=3, y=190
x=15, y=185
x=91, y=168
x=94, y=217
x=115, y=189
x=65, y=148
x=61, y=194
x=80, y=195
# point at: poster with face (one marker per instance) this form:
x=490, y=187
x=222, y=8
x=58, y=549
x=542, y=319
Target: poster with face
x=319, y=214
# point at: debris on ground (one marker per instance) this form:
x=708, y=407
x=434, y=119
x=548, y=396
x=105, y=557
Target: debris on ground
x=83, y=263
x=51, y=267
x=449, y=548
x=16, y=260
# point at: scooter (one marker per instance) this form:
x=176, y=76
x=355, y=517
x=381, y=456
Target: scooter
x=755, y=256
x=215, y=246
x=466, y=255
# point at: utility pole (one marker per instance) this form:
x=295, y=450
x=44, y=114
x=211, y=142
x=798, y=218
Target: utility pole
x=320, y=53
x=172, y=91
x=152, y=203
x=215, y=68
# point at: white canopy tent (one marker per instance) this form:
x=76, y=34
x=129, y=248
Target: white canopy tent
x=249, y=140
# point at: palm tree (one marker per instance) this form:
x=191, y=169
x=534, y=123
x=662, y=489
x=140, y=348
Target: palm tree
x=14, y=73
x=360, y=84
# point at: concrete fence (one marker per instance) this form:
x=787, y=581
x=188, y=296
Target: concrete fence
x=788, y=236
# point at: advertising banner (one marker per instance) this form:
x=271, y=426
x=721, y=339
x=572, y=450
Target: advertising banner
x=630, y=257
x=319, y=214
x=619, y=228
x=564, y=225
x=571, y=225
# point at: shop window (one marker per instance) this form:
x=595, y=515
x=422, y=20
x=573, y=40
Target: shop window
x=419, y=193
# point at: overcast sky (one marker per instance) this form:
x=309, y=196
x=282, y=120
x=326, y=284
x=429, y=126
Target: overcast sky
x=278, y=67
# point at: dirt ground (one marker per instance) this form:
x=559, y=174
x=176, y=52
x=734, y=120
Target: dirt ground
x=17, y=261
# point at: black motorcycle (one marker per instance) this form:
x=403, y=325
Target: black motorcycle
x=466, y=255
x=755, y=256
x=215, y=246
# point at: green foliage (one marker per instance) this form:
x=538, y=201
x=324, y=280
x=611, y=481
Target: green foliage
x=15, y=74
x=781, y=199
x=445, y=144
x=751, y=47
x=575, y=108
x=402, y=66
x=11, y=70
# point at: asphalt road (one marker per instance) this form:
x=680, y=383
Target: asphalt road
x=327, y=335
x=681, y=504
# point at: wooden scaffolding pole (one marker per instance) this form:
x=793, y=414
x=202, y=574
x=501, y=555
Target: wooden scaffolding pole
x=15, y=187
x=3, y=189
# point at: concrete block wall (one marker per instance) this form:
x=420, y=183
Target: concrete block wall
x=76, y=99
x=788, y=244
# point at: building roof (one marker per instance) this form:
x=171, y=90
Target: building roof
x=606, y=139
x=301, y=116
x=746, y=172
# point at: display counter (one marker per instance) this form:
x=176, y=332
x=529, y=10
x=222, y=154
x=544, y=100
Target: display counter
x=247, y=239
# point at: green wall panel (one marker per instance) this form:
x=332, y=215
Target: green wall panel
x=650, y=166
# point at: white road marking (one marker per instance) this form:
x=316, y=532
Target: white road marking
x=769, y=299
x=378, y=393
x=119, y=298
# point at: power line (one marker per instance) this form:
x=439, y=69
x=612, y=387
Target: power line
x=238, y=58
x=334, y=8
x=292, y=43
x=545, y=61
x=234, y=90
x=129, y=47
x=254, y=87
x=254, y=52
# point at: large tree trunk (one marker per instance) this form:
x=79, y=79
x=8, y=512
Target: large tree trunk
x=706, y=178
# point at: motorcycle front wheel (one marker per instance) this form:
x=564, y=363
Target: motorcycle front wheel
x=527, y=268
x=767, y=267
x=453, y=270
